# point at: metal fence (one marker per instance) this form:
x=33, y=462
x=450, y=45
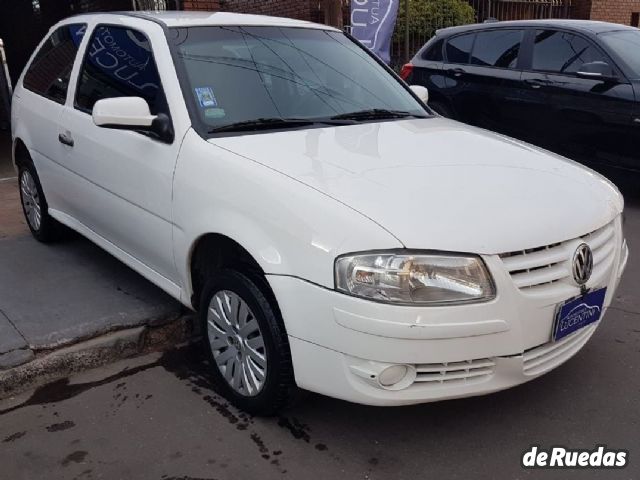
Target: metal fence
x=427, y=16
x=155, y=5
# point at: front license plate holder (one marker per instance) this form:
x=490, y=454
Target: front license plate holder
x=578, y=312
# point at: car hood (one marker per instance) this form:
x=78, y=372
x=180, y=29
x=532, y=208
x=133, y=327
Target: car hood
x=438, y=184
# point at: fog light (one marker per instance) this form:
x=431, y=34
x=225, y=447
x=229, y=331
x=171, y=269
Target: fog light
x=392, y=375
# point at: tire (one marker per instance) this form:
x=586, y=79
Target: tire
x=443, y=109
x=233, y=350
x=43, y=227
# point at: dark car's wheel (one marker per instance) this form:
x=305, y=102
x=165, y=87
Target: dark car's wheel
x=246, y=342
x=443, y=109
x=34, y=205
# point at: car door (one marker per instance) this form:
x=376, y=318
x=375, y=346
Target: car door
x=459, y=88
x=39, y=104
x=495, y=75
x=426, y=70
x=588, y=119
x=123, y=179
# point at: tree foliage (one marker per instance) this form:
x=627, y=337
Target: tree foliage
x=427, y=16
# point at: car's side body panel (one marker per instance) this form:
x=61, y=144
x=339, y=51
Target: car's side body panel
x=287, y=227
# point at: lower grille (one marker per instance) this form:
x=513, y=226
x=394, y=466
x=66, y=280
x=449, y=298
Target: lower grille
x=469, y=371
x=541, y=359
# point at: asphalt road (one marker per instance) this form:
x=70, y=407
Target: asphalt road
x=156, y=418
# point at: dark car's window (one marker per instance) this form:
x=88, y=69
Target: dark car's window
x=434, y=52
x=497, y=48
x=562, y=52
x=459, y=48
x=49, y=73
x=240, y=74
x=626, y=44
x=119, y=63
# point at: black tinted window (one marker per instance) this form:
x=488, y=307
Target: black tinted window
x=119, y=63
x=50, y=70
x=498, y=48
x=434, y=52
x=562, y=52
x=459, y=48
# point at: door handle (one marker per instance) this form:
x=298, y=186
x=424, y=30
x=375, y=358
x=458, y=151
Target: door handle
x=636, y=120
x=535, y=83
x=456, y=72
x=66, y=139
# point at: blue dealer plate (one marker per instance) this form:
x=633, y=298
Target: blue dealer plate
x=578, y=312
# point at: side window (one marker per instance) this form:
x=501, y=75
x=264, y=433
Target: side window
x=434, y=52
x=50, y=71
x=561, y=52
x=497, y=48
x=119, y=63
x=459, y=48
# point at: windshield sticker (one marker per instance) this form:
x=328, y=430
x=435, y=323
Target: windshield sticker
x=206, y=98
x=215, y=113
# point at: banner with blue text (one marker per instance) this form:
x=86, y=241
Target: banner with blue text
x=372, y=22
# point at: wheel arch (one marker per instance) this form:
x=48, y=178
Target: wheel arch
x=215, y=251
x=20, y=153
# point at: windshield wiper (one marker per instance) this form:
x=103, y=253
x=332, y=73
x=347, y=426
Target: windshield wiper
x=375, y=114
x=263, y=124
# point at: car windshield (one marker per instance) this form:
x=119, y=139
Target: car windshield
x=627, y=45
x=257, y=76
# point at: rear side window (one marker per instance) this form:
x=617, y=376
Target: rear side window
x=119, y=63
x=434, y=52
x=49, y=73
x=459, y=48
x=561, y=52
x=497, y=48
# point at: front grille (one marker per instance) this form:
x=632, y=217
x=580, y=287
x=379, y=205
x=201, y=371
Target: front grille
x=541, y=359
x=538, y=270
x=452, y=373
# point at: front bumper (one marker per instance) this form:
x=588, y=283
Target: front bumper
x=340, y=344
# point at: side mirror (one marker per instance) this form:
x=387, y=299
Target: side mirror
x=597, y=71
x=131, y=113
x=421, y=92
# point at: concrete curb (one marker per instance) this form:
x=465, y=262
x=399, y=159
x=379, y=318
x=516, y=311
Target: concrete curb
x=48, y=366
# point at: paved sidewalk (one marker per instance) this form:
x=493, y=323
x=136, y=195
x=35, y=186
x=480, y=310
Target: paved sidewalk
x=53, y=296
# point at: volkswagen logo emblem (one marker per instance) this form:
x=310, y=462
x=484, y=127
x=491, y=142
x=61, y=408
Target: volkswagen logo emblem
x=582, y=264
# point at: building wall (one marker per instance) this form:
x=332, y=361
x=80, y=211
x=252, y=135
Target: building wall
x=617, y=11
x=581, y=9
x=300, y=9
x=206, y=5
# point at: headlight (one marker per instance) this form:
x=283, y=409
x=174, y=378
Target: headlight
x=414, y=278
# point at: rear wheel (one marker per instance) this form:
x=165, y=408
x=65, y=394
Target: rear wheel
x=246, y=342
x=34, y=205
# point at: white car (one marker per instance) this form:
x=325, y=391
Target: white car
x=332, y=232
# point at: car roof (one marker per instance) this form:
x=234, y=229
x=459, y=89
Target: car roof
x=200, y=19
x=587, y=26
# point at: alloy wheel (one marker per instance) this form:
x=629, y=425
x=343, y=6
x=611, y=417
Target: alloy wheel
x=31, y=200
x=237, y=343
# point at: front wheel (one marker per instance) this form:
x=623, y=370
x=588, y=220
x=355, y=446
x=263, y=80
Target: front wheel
x=246, y=342
x=34, y=206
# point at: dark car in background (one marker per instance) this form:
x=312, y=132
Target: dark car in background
x=567, y=85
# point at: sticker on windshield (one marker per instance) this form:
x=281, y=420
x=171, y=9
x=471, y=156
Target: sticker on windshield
x=215, y=113
x=206, y=98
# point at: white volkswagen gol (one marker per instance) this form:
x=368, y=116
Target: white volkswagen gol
x=333, y=233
